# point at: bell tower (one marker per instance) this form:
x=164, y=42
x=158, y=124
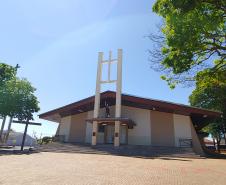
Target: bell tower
x=99, y=82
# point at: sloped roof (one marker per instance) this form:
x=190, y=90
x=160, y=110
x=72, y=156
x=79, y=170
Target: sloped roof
x=197, y=114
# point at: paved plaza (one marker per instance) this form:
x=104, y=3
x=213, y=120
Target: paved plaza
x=50, y=168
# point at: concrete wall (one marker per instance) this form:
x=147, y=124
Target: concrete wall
x=141, y=133
x=89, y=128
x=100, y=136
x=162, y=129
x=64, y=129
x=182, y=128
x=78, y=128
x=152, y=127
x=195, y=141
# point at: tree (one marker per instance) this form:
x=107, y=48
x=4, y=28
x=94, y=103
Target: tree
x=210, y=93
x=191, y=48
x=17, y=99
x=193, y=37
x=216, y=131
x=25, y=100
x=7, y=73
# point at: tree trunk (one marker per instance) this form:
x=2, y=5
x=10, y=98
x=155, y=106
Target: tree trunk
x=24, y=136
x=2, y=128
x=224, y=138
x=8, y=131
x=214, y=143
x=224, y=133
x=218, y=144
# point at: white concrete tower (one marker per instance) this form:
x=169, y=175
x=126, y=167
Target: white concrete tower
x=99, y=82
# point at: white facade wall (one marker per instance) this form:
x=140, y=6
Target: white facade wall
x=65, y=126
x=182, y=128
x=89, y=127
x=141, y=133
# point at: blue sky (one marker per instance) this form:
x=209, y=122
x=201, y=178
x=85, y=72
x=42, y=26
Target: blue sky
x=56, y=44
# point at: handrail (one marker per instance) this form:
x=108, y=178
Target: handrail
x=185, y=142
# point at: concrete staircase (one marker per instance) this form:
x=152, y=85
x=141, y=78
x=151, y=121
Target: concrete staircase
x=123, y=150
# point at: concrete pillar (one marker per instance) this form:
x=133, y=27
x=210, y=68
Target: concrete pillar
x=97, y=99
x=117, y=134
x=118, y=98
x=98, y=87
x=119, y=85
x=94, y=133
x=109, y=66
x=118, y=94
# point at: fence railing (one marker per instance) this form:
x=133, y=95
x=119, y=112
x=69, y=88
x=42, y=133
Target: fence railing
x=185, y=142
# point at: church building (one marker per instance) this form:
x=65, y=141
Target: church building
x=121, y=119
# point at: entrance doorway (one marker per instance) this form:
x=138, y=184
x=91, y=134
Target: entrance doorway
x=109, y=134
x=123, y=134
x=110, y=131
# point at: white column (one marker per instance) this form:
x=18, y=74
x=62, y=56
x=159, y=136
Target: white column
x=109, y=66
x=94, y=133
x=119, y=85
x=118, y=99
x=97, y=95
x=117, y=134
x=97, y=98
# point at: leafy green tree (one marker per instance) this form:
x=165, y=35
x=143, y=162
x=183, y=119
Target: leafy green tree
x=191, y=47
x=7, y=72
x=17, y=99
x=217, y=132
x=193, y=36
x=210, y=93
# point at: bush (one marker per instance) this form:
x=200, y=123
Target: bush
x=45, y=140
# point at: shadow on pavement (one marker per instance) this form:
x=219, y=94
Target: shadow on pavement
x=144, y=152
x=16, y=151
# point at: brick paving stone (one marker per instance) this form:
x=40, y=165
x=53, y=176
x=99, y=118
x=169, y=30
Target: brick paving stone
x=49, y=168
